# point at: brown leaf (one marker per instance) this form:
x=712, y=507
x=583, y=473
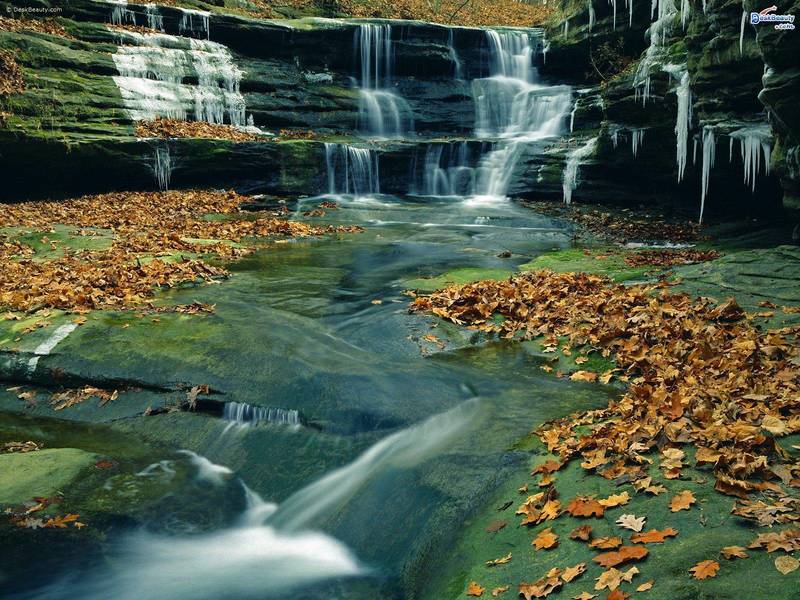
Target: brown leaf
x=571, y=573
x=654, y=536
x=621, y=556
x=617, y=595
x=786, y=564
x=474, y=589
x=682, y=501
x=583, y=506
x=731, y=552
x=546, y=540
x=606, y=543
x=499, y=561
x=705, y=569
x=500, y=590
x=615, y=500
x=648, y=585
x=583, y=532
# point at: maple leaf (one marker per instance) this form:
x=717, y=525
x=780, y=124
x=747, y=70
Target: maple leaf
x=648, y=585
x=542, y=587
x=583, y=532
x=731, y=552
x=499, y=561
x=583, y=506
x=550, y=510
x=583, y=376
x=547, y=467
x=606, y=543
x=631, y=522
x=621, y=556
x=786, y=564
x=682, y=501
x=500, y=590
x=617, y=595
x=571, y=573
x=610, y=579
x=705, y=569
x=615, y=500
x=546, y=540
x=654, y=536
x=474, y=589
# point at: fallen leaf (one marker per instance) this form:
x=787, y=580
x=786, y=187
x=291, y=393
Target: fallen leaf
x=654, y=536
x=615, y=500
x=705, y=569
x=786, y=564
x=583, y=532
x=610, y=579
x=499, y=561
x=621, y=556
x=648, y=585
x=474, y=589
x=631, y=522
x=682, y=501
x=571, y=573
x=545, y=540
x=500, y=590
x=584, y=596
x=606, y=543
x=731, y=552
x=617, y=595
x=583, y=376
x=583, y=506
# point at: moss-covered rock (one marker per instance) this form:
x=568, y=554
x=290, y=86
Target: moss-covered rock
x=40, y=473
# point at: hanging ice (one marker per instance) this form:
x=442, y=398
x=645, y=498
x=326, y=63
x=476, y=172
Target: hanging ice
x=684, y=116
x=709, y=154
x=154, y=18
x=754, y=142
x=195, y=23
x=121, y=14
x=574, y=159
x=637, y=138
x=741, y=32
x=162, y=167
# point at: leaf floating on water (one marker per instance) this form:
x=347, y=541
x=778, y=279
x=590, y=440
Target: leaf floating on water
x=631, y=522
x=571, y=573
x=648, y=585
x=474, y=589
x=732, y=552
x=499, y=561
x=615, y=500
x=786, y=564
x=546, y=540
x=500, y=590
x=654, y=536
x=606, y=543
x=705, y=569
x=495, y=526
x=682, y=501
x=583, y=533
x=621, y=556
x=584, y=506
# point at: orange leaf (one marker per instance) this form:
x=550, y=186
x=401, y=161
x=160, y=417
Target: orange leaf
x=621, y=556
x=583, y=506
x=606, y=543
x=584, y=532
x=731, y=552
x=545, y=540
x=705, y=569
x=654, y=536
x=682, y=501
x=474, y=589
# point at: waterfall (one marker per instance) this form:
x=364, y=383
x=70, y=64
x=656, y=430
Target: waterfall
x=709, y=155
x=510, y=105
x=242, y=413
x=352, y=170
x=449, y=170
x=381, y=112
x=458, y=68
x=153, y=72
x=400, y=450
x=162, y=167
x=637, y=139
x=574, y=159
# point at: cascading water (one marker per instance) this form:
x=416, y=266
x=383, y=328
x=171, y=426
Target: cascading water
x=154, y=18
x=121, y=14
x=352, y=170
x=162, y=166
x=509, y=106
x=574, y=159
x=381, y=112
x=195, y=23
x=242, y=413
x=153, y=71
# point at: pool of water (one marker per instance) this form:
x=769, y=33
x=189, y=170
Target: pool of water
x=397, y=440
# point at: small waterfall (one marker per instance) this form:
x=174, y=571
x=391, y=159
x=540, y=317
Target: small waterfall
x=352, y=170
x=403, y=449
x=458, y=67
x=509, y=104
x=195, y=23
x=162, y=167
x=574, y=159
x=449, y=170
x=152, y=76
x=381, y=113
x=242, y=413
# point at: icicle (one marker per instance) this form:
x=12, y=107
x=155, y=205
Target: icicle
x=162, y=167
x=637, y=139
x=709, y=152
x=614, y=6
x=572, y=116
x=566, y=27
x=741, y=32
x=684, y=117
x=591, y=16
x=574, y=158
x=630, y=13
x=694, y=151
x=684, y=12
x=615, y=138
x=754, y=141
x=154, y=18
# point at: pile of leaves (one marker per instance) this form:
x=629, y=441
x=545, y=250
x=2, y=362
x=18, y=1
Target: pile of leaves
x=11, y=81
x=71, y=397
x=668, y=258
x=471, y=13
x=297, y=134
x=47, y=26
x=699, y=375
x=26, y=515
x=146, y=227
x=19, y=447
x=175, y=128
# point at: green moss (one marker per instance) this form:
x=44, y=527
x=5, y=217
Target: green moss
x=595, y=260
x=455, y=277
x=40, y=473
x=62, y=237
